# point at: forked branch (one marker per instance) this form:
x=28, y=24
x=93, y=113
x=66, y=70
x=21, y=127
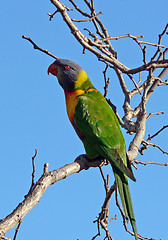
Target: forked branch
x=46, y=180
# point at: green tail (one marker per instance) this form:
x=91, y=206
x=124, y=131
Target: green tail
x=125, y=195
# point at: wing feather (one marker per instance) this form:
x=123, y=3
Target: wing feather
x=99, y=124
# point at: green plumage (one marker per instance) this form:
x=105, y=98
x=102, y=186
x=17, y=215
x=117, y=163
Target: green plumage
x=97, y=126
x=103, y=137
x=97, y=121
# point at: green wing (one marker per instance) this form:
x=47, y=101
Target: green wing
x=99, y=124
x=102, y=137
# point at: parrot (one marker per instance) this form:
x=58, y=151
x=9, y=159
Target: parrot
x=97, y=127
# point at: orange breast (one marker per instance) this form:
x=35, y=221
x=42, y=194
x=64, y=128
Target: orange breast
x=71, y=102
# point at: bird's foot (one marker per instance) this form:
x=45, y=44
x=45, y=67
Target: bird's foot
x=86, y=162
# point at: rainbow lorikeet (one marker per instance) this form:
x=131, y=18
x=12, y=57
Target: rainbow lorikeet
x=96, y=125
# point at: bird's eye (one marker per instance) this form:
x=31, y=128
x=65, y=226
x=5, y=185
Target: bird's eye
x=67, y=67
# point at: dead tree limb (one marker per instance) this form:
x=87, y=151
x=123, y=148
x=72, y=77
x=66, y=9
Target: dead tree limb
x=46, y=180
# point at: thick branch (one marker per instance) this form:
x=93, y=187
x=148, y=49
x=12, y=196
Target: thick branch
x=46, y=180
x=102, y=52
x=140, y=126
x=152, y=64
x=85, y=42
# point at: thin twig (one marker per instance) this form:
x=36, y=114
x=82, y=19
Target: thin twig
x=159, y=42
x=155, y=113
x=119, y=206
x=96, y=38
x=134, y=37
x=124, y=218
x=152, y=64
x=80, y=10
x=17, y=229
x=163, y=83
x=39, y=48
x=87, y=20
x=152, y=44
x=33, y=172
x=139, y=78
x=107, y=81
x=136, y=85
x=157, y=146
x=114, y=218
x=150, y=162
x=34, y=169
x=52, y=15
x=121, y=36
x=144, y=54
x=102, y=220
x=154, y=135
x=104, y=180
x=155, y=82
x=147, y=143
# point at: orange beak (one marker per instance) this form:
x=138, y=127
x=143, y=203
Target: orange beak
x=53, y=69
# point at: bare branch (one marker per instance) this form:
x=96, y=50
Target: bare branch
x=102, y=220
x=52, y=15
x=79, y=10
x=136, y=85
x=152, y=64
x=150, y=137
x=107, y=81
x=85, y=42
x=157, y=146
x=4, y=238
x=156, y=113
x=34, y=169
x=102, y=52
x=125, y=220
x=33, y=172
x=121, y=36
x=163, y=83
x=106, y=181
x=87, y=20
x=147, y=143
x=151, y=162
x=144, y=55
x=17, y=229
x=155, y=82
x=39, y=48
x=152, y=44
x=133, y=37
x=140, y=126
x=46, y=180
x=159, y=42
x=99, y=43
x=45, y=170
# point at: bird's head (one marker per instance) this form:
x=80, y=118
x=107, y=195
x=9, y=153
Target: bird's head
x=70, y=75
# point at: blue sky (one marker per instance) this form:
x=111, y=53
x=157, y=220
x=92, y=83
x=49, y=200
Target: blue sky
x=33, y=115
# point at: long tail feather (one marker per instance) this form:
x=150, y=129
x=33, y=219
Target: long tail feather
x=125, y=195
